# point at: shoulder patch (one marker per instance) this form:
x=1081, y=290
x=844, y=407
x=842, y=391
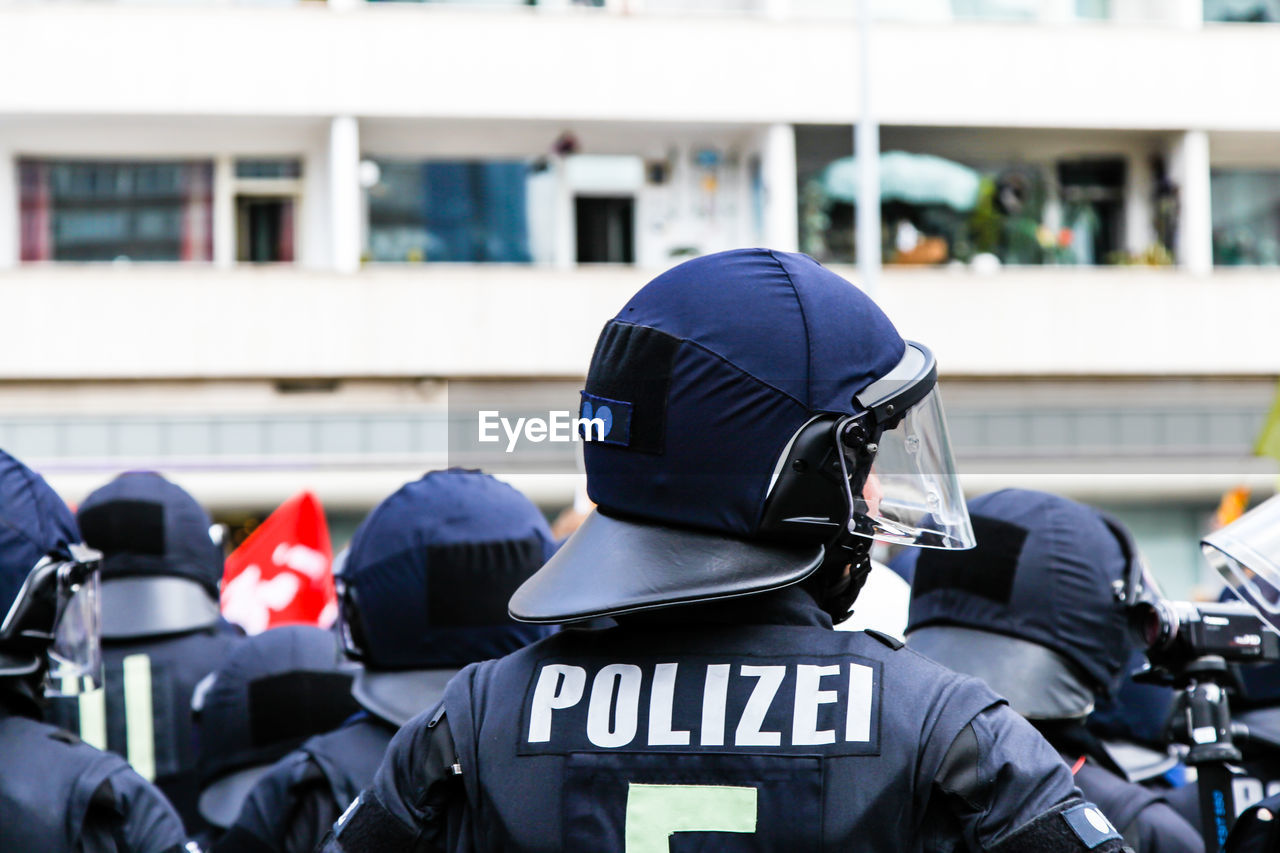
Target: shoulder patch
x=1090, y=825
x=892, y=642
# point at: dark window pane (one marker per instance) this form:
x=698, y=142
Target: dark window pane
x=1236, y=11
x=266, y=168
x=85, y=210
x=450, y=211
x=1246, y=216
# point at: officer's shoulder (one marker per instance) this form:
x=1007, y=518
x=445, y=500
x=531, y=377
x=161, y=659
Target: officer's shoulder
x=888, y=641
x=900, y=655
x=295, y=763
x=322, y=741
x=566, y=640
x=356, y=734
x=60, y=744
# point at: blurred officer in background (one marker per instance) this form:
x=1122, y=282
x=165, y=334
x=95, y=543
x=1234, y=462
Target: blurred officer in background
x=740, y=401
x=1040, y=612
x=162, y=631
x=57, y=793
x=1246, y=553
x=424, y=592
x=275, y=690
x=1133, y=725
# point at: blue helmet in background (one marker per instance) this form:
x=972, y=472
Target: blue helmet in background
x=161, y=567
x=34, y=522
x=48, y=582
x=1039, y=609
x=425, y=584
x=274, y=690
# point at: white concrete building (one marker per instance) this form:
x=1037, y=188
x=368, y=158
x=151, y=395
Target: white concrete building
x=267, y=246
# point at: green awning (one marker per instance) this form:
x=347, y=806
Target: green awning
x=911, y=178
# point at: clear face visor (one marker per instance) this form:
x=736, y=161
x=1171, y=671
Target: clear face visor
x=1247, y=554
x=911, y=495
x=75, y=657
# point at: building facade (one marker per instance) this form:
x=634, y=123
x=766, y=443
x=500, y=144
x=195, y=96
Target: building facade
x=268, y=246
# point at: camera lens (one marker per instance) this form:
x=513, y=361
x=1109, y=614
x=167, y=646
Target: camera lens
x=1154, y=624
x=1152, y=627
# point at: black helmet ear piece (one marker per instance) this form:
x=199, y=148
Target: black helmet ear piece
x=351, y=628
x=809, y=502
x=1137, y=585
x=806, y=497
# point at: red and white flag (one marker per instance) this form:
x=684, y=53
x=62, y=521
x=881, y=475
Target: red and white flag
x=283, y=573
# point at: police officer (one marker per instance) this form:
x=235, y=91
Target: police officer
x=57, y=793
x=1247, y=555
x=424, y=588
x=1047, y=627
x=162, y=630
x=737, y=403
x=275, y=690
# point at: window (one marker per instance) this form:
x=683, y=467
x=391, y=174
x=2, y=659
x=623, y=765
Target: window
x=935, y=211
x=87, y=210
x=1242, y=11
x=289, y=168
x=1023, y=10
x=456, y=211
x=1246, y=216
x=267, y=194
x=606, y=229
x=264, y=229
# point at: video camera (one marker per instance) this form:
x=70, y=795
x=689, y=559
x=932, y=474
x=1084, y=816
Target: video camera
x=1175, y=633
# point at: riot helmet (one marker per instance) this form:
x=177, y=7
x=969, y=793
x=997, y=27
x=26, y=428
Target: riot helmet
x=1040, y=609
x=424, y=586
x=1246, y=553
x=274, y=690
x=752, y=420
x=48, y=588
x=161, y=567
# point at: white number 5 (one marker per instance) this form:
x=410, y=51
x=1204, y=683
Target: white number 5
x=656, y=812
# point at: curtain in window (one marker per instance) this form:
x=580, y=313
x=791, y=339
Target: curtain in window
x=36, y=226
x=197, y=213
x=286, y=231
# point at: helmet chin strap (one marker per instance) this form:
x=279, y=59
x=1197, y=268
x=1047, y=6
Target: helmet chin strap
x=842, y=575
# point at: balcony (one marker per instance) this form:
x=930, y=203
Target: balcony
x=777, y=63
x=180, y=322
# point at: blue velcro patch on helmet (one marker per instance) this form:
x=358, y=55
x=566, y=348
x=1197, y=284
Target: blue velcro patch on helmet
x=611, y=420
x=1090, y=825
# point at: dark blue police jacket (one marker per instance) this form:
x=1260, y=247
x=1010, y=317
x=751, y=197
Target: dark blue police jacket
x=295, y=803
x=1147, y=821
x=150, y=681
x=742, y=725
x=1258, y=829
x=58, y=794
x=1144, y=816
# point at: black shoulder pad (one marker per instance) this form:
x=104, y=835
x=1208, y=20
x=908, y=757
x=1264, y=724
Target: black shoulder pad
x=1072, y=827
x=892, y=642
